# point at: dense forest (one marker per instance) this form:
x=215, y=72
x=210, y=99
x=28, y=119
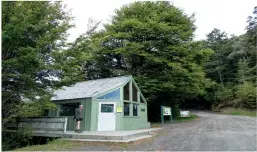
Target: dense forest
x=152, y=41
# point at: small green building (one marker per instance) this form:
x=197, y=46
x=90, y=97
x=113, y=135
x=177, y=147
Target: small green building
x=110, y=104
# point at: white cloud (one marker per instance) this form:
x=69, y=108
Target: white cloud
x=227, y=15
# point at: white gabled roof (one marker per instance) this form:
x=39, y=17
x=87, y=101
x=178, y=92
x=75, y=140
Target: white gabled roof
x=88, y=89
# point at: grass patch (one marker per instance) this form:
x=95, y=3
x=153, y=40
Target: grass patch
x=184, y=119
x=56, y=145
x=238, y=111
x=66, y=145
x=156, y=125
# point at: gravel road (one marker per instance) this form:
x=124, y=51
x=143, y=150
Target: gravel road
x=210, y=132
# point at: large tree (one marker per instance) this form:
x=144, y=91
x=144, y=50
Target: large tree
x=31, y=33
x=153, y=42
x=251, y=37
x=252, y=27
x=215, y=68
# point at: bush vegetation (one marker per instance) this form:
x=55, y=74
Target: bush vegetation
x=239, y=111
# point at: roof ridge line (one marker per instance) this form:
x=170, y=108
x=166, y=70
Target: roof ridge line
x=103, y=78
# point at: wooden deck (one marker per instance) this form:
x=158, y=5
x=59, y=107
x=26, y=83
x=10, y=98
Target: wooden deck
x=105, y=136
x=56, y=127
x=110, y=136
x=40, y=126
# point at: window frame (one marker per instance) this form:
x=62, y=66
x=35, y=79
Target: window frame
x=115, y=99
x=124, y=92
x=137, y=105
x=107, y=103
x=129, y=114
x=131, y=102
x=134, y=93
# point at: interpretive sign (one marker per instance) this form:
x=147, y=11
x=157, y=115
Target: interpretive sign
x=184, y=114
x=166, y=111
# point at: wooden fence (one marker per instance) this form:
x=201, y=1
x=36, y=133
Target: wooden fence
x=41, y=126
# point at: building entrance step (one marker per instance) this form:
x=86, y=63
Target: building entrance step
x=109, y=136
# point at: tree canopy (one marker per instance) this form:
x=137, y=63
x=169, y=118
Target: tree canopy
x=32, y=32
x=233, y=67
x=145, y=37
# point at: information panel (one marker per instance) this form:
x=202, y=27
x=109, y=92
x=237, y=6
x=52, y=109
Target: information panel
x=184, y=114
x=166, y=111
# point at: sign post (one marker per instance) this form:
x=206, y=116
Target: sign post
x=166, y=111
x=162, y=117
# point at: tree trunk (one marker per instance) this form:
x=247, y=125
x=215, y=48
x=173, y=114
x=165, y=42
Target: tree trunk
x=221, y=81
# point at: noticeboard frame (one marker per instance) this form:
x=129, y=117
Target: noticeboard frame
x=162, y=114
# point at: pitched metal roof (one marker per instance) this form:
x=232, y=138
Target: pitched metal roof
x=89, y=88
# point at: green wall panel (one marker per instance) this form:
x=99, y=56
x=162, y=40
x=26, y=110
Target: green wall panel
x=94, y=116
x=71, y=123
x=87, y=112
x=119, y=115
x=136, y=122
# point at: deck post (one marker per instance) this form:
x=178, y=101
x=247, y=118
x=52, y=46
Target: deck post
x=65, y=124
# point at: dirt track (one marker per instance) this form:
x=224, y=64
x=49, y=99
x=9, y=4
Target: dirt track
x=210, y=132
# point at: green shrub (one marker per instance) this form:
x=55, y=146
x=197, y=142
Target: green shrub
x=239, y=111
x=239, y=96
x=224, y=94
x=12, y=140
x=246, y=95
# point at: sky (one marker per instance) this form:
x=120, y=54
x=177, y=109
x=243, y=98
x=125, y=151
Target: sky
x=227, y=15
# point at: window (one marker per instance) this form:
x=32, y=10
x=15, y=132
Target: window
x=126, y=109
x=107, y=108
x=126, y=92
x=141, y=100
x=134, y=90
x=111, y=96
x=135, y=109
x=68, y=109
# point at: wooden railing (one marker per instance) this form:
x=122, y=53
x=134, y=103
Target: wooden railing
x=45, y=126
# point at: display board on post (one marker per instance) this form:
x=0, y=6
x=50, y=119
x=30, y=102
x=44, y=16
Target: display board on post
x=166, y=111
